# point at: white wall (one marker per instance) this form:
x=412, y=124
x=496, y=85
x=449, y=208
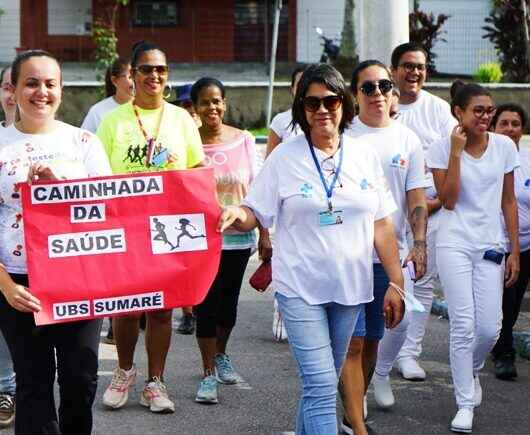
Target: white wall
x=67, y=17
x=9, y=29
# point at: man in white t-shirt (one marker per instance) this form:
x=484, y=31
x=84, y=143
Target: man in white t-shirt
x=430, y=118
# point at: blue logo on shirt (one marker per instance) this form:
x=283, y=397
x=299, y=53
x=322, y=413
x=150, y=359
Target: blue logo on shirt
x=365, y=184
x=398, y=161
x=527, y=183
x=306, y=190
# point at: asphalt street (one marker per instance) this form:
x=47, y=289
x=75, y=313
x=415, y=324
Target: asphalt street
x=265, y=401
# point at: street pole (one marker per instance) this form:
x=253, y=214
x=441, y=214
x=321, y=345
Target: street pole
x=526, y=36
x=272, y=70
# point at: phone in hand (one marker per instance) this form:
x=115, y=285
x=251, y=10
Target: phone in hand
x=411, y=269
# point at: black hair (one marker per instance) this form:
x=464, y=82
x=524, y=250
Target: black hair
x=361, y=67
x=299, y=69
x=202, y=83
x=140, y=48
x=23, y=57
x=400, y=50
x=332, y=79
x=457, y=84
x=510, y=107
x=463, y=93
x=3, y=72
x=117, y=68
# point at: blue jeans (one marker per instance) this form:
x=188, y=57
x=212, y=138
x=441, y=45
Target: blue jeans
x=7, y=376
x=318, y=337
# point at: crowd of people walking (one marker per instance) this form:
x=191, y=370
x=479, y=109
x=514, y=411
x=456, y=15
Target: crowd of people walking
x=378, y=193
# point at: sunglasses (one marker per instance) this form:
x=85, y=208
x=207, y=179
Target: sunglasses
x=410, y=67
x=148, y=69
x=480, y=111
x=331, y=103
x=369, y=88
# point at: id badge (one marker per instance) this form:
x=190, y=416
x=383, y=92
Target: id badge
x=326, y=218
x=161, y=158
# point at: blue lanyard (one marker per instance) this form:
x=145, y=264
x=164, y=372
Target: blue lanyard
x=328, y=189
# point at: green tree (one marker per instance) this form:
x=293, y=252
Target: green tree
x=348, y=47
x=104, y=35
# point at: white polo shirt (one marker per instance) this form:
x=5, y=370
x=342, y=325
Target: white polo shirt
x=321, y=264
x=281, y=124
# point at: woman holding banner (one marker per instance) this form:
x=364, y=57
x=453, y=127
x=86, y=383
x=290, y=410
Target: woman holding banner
x=147, y=134
x=326, y=194
x=62, y=151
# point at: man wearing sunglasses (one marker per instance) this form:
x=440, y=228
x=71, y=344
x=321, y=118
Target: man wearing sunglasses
x=430, y=118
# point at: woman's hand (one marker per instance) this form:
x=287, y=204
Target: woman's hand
x=393, y=308
x=511, y=271
x=40, y=172
x=230, y=214
x=418, y=255
x=458, y=141
x=21, y=299
x=264, y=245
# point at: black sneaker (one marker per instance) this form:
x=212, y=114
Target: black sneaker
x=187, y=324
x=7, y=409
x=505, y=367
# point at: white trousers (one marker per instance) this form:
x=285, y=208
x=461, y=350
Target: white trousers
x=404, y=341
x=473, y=291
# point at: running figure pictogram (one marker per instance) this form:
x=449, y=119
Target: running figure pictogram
x=161, y=235
x=184, y=223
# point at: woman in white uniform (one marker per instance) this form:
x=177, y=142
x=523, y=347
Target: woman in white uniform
x=474, y=176
x=325, y=192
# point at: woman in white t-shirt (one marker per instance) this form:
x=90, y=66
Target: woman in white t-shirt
x=119, y=89
x=474, y=176
x=401, y=155
x=326, y=194
x=281, y=129
x=510, y=119
x=37, y=147
x=7, y=98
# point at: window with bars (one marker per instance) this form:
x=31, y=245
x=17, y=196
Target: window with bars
x=164, y=13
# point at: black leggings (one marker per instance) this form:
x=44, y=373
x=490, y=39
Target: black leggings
x=220, y=305
x=34, y=350
x=511, y=305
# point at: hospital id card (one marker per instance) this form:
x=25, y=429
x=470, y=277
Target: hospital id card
x=327, y=217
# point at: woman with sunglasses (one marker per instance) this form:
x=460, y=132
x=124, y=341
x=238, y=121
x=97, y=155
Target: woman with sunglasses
x=401, y=155
x=326, y=194
x=232, y=154
x=510, y=120
x=147, y=134
x=70, y=349
x=474, y=176
x=118, y=91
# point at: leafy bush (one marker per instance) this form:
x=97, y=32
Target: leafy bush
x=505, y=30
x=426, y=29
x=488, y=73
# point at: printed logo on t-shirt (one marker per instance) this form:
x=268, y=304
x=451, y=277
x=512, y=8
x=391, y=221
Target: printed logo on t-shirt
x=398, y=162
x=527, y=183
x=306, y=190
x=366, y=185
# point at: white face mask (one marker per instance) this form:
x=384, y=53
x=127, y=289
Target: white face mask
x=411, y=303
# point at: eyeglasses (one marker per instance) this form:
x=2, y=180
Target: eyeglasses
x=480, y=111
x=369, y=88
x=148, y=69
x=329, y=168
x=331, y=103
x=410, y=67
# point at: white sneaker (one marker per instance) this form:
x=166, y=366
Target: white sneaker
x=117, y=393
x=463, y=421
x=154, y=396
x=383, y=391
x=278, y=328
x=411, y=370
x=477, y=398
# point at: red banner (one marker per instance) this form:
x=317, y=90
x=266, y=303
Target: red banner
x=113, y=245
